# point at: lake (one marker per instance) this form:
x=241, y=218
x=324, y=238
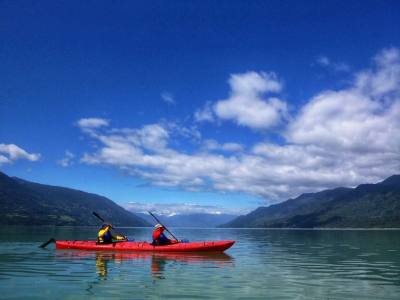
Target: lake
x=263, y=264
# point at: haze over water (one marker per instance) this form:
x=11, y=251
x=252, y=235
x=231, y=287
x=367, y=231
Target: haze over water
x=263, y=264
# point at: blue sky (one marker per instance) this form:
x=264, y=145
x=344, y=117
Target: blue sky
x=232, y=104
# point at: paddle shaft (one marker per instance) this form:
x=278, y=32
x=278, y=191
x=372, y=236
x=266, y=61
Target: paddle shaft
x=97, y=215
x=158, y=221
x=52, y=240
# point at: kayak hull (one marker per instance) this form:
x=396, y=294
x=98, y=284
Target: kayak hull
x=208, y=246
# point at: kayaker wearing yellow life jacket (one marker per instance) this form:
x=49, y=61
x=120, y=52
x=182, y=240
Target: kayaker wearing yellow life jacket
x=106, y=235
x=159, y=237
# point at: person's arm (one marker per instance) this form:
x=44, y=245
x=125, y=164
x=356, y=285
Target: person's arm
x=166, y=240
x=118, y=237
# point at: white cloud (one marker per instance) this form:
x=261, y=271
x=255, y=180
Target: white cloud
x=168, y=98
x=166, y=167
x=11, y=152
x=326, y=62
x=338, y=138
x=254, y=83
x=247, y=105
x=363, y=118
x=323, y=61
x=91, y=123
x=177, y=129
x=355, y=132
x=4, y=160
x=67, y=160
x=204, y=114
x=170, y=209
x=384, y=79
x=233, y=147
x=230, y=147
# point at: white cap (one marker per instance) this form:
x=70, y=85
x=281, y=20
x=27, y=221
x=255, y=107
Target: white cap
x=158, y=226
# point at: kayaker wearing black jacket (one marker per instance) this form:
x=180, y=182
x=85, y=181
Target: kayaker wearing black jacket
x=106, y=235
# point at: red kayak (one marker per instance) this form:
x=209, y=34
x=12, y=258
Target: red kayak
x=210, y=246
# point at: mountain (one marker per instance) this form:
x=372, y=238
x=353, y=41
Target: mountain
x=29, y=203
x=202, y=220
x=366, y=206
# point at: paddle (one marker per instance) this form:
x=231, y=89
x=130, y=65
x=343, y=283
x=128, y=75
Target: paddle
x=97, y=215
x=101, y=219
x=52, y=240
x=158, y=221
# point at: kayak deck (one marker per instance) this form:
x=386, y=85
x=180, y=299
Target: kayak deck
x=207, y=246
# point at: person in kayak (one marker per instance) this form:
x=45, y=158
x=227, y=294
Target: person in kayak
x=107, y=236
x=159, y=237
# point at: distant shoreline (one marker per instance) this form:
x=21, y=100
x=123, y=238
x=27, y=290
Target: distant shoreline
x=223, y=228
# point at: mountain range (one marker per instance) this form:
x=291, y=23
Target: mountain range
x=29, y=203
x=366, y=206
x=199, y=220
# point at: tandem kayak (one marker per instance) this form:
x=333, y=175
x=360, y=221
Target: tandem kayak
x=208, y=246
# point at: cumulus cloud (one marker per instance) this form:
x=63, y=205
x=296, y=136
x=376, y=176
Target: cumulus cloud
x=164, y=166
x=11, y=152
x=171, y=209
x=384, y=79
x=355, y=131
x=363, y=118
x=247, y=104
x=67, y=160
x=168, y=98
x=338, y=138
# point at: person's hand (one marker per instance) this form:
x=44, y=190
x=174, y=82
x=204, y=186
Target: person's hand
x=121, y=238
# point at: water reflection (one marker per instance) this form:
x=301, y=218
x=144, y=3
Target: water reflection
x=267, y=264
x=101, y=265
x=320, y=256
x=157, y=261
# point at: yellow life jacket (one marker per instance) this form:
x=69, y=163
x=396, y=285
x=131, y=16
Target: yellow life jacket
x=106, y=236
x=101, y=235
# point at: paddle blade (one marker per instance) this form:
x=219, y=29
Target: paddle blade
x=97, y=215
x=52, y=240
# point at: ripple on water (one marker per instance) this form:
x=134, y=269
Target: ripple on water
x=263, y=264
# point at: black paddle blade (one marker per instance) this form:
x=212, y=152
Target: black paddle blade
x=97, y=215
x=52, y=240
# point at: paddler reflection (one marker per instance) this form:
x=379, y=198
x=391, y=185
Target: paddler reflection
x=101, y=265
x=158, y=267
x=102, y=260
x=159, y=261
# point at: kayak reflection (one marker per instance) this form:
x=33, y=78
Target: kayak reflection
x=158, y=261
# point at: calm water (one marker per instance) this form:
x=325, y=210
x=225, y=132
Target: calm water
x=263, y=264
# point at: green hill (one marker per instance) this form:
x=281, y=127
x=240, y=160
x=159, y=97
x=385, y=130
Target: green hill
x=366, y=206
x=28, y=203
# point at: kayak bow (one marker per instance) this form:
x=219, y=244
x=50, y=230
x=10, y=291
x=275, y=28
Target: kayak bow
x=208, y=246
